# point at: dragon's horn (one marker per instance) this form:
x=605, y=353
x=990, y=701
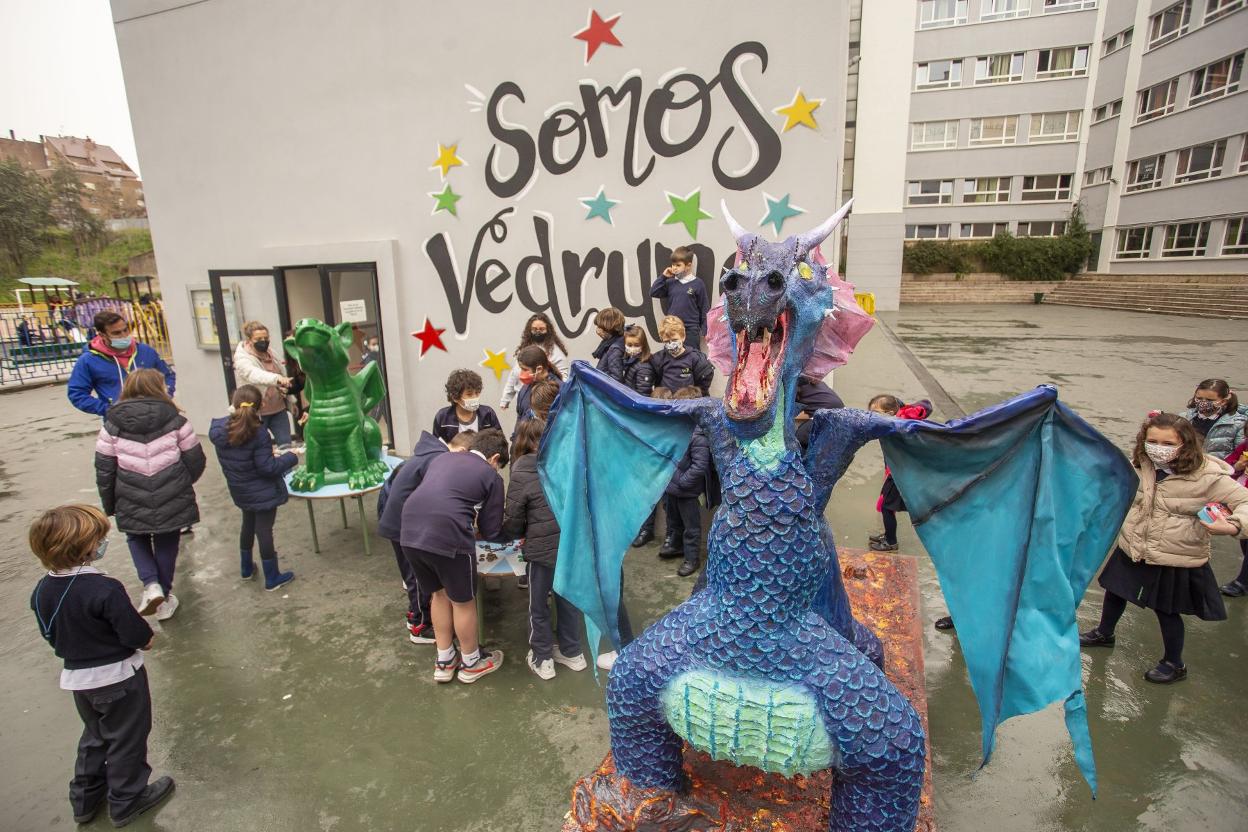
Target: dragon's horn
x=738, y=233
x=815, y=236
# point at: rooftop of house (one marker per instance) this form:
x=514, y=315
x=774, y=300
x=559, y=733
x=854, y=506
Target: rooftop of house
x=89, y=157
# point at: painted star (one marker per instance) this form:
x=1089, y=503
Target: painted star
x=801, y=111
x=445, y=201
x=778, y=210
x=430, y=337
x=599, y=206
x=688, y=211
x=597, y=33
x=496, y=361
x=447, y=159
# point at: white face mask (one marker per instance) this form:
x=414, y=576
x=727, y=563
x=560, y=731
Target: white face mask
x=673, y=346
x=471, y=404
x=1160, y=454
x=632, y=350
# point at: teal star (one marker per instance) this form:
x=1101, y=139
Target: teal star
x=445, y=201
x=688, y=211
x=778, y=210
x=599, y=206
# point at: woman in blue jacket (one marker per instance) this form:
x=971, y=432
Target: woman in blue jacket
x=255, y=477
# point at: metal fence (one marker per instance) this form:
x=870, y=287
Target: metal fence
x=41, y=342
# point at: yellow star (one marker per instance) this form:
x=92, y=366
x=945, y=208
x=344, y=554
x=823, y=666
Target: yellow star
x=496, y=361
x=801, y=111
x=446, y=159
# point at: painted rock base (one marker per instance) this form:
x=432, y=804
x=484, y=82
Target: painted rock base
x=728, y=798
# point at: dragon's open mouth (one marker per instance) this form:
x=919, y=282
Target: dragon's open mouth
x=760, y=354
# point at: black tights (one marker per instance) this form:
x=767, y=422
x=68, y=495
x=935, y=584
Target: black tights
x=890, y=526
x=1171, y=626
x=258, y=524
x=1243, y=567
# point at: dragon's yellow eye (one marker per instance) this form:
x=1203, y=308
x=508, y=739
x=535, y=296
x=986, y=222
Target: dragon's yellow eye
x=742, y=265
x=804, y=270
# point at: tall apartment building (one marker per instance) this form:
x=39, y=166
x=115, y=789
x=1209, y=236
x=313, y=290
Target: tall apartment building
x=1017, y=109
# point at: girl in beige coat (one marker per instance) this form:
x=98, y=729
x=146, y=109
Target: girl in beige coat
x=1162, y=558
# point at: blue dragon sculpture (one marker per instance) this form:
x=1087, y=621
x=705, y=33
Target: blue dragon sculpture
x=766, y=666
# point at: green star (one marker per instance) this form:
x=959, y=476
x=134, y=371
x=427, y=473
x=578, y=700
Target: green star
x=599, y=206
x=778, y=210
x=688, y=211
x=445, y=201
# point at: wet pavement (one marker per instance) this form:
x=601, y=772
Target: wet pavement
x=308, y=709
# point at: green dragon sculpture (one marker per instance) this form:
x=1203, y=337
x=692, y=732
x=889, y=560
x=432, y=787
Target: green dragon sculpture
x=343, y=441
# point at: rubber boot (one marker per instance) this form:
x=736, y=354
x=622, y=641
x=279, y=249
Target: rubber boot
x=274, y=578
x=246, y=566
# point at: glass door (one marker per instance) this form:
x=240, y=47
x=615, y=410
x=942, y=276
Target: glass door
x=247, y=295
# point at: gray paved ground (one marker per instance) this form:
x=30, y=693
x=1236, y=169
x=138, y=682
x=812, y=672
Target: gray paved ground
x=308, y=710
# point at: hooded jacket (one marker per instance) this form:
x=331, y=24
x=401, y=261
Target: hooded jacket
x=403, y=481
x=95, y=383
x=147, y=459
x=689, y=369
x=1161, y=526
x=1225, y=433
x=253, y=474
x=610, y=355
x=528, y=515
x=689, y=481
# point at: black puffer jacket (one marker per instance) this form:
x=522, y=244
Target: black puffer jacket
x=528, y=515
x=147, y=459
x=254, y=475
x=690, y=479
x=638, y=374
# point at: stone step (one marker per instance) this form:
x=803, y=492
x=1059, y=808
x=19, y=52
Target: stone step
x=1170, y=297
x=1203, y=292
x=1188, y=313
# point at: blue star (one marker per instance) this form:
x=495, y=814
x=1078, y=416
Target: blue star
x=599, y=206
x=779, y=210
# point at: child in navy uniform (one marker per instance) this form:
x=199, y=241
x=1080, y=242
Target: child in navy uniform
x=680, y=365
x=683, y=295
x=403, y=480
x=609, y=324
x=255, y=479
x=638, y=371
x=465, y=411
x=684, y=514
x=535, y=368
x=88, y=619
x=809, y=397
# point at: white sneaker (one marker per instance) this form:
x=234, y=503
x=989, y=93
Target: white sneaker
x=606, y=661
x=544, y=670
x=153, y=597
x=570, y=662
x=166, y=610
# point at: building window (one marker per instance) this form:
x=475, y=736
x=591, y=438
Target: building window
x=1169, y=24
x=1047, y=188
x=930, y=231
x=1066, y=62
x=1203, y=161
x=90, y=186
x=933, y=135
x=936, y=13
x=1143, y=174
x=1054, y=127
x=1042, y=228
x=982, y=230
x=929, y=192
x=1055, y=6
x=999, y=69
x=1157, y=101
x=1186, y=239
x=993, y=130
x=1097, y=176
x=937, y=75
x=1004, y=9
x=1236, y=239
x=1216, y=79
x=1119, y=41
x=1134, y=243
x=1243, y=154
x=986, y=189
x=1107, y=111
x=1217, y=8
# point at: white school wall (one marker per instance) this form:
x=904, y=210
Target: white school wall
x=288, y=133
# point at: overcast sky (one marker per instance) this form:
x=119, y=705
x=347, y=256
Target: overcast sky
x=61, y=74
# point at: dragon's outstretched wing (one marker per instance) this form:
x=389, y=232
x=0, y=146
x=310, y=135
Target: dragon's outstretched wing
x=1018, y=506
x=605, y=460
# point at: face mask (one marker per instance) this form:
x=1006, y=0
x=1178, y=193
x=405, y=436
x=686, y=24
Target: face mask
x=633, y=350
x=538, y=336
x=373, y=347
x=526, y=377
x=673, y=346
x=1208, y=407
x=262, y=345
x=101, y=549
x=471, y=404
x=120, y=343
x=1160, y=454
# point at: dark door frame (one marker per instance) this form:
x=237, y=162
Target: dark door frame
x=218, y=313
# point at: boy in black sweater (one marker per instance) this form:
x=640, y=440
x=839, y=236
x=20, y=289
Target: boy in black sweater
x=88, y=619
x=679, y=365
x=684, y=515
x=683, y=295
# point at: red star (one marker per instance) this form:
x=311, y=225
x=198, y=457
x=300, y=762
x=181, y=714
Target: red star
x=429, y=337
x=597, y=33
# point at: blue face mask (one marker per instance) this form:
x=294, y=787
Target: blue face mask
x=120, y=343
x=101, y=549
